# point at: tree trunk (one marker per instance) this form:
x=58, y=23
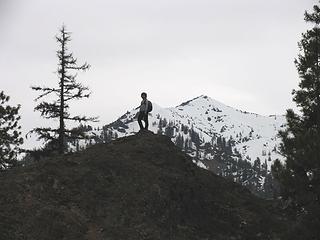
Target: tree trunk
x=61, y=127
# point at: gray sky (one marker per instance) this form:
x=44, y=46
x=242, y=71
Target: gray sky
x=239, y=52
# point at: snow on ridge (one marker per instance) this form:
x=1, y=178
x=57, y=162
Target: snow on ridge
x=254, y=135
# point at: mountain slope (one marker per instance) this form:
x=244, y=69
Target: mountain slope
x=251, y=135
x=137, y=187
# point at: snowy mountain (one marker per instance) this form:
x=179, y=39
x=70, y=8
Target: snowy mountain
x=200, y=123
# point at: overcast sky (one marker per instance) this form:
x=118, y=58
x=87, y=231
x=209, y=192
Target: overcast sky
x=239, y=52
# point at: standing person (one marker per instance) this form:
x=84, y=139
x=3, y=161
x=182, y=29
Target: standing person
x=145, y=108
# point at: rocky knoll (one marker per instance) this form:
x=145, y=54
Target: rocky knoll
x=136, y=187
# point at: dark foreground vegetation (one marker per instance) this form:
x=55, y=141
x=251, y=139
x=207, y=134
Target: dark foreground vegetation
x=137, y=187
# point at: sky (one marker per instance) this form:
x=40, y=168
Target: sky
x=240, y=53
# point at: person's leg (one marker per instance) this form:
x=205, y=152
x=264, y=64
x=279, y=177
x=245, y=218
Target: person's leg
x=140, y=117
x=146, y=121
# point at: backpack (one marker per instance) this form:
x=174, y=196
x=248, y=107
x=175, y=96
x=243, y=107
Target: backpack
x=149, y=107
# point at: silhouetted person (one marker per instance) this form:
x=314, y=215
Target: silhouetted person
x=145, y=108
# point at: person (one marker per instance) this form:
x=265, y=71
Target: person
x=143, y=112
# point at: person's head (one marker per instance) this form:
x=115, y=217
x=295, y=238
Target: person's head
x=143, y=95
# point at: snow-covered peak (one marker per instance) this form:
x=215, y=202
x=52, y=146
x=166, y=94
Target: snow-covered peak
x=254, y=136
x=203, y=101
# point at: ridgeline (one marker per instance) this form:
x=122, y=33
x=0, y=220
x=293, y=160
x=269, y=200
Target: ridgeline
x=137, y=187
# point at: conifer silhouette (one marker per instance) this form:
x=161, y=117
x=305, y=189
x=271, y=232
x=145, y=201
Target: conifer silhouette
x=68, y=89
x=10, y=135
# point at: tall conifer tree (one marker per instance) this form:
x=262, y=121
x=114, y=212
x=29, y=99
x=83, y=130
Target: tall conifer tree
x=299, y=177
x=67, y=90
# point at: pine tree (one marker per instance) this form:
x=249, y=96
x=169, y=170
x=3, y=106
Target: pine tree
x=256, y=175
x=169, y=131
x=10, y=135
x=299, y=177
x=180, y=141
x=68, y=89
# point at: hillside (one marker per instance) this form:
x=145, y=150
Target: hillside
x=136, y=187
x=232, y=143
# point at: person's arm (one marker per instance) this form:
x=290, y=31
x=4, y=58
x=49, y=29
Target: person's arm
x=140, y=106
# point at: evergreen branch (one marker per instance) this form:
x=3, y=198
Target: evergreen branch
x=46, y=134
x=71, y=78
x=80, y=94
x=48, y=110
x=65, y=38
x=83, y=67
x=44, y=89
x=44, y=129
x=83, y=119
